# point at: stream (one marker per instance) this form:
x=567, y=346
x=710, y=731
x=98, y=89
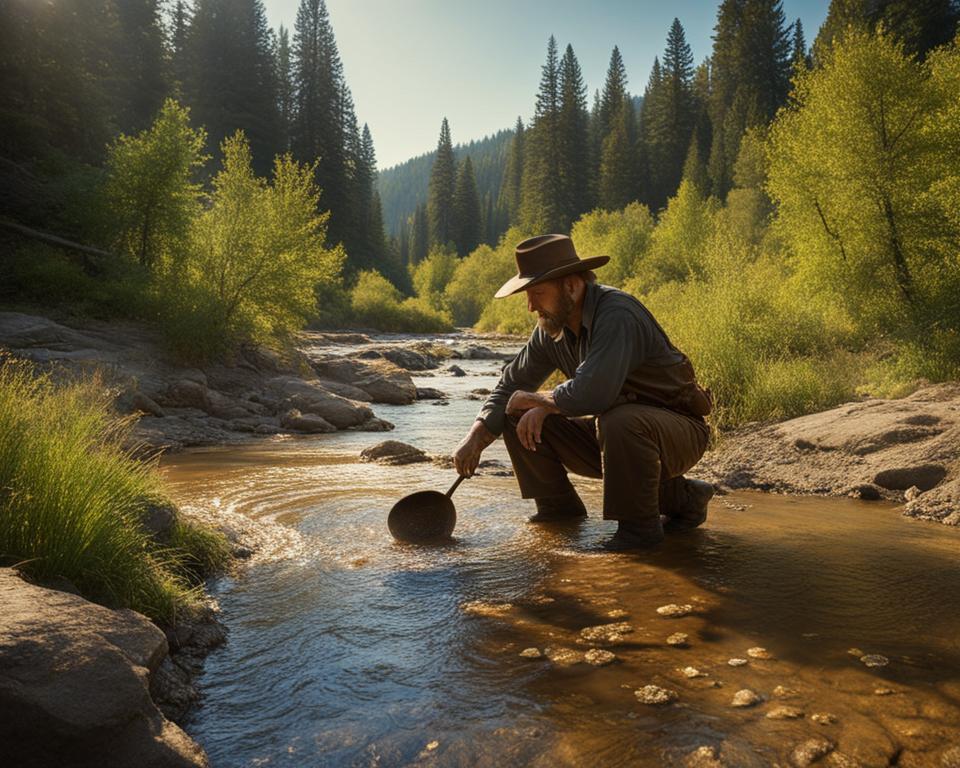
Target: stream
x=353, y=650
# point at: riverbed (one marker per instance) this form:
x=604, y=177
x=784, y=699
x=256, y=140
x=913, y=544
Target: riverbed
x=351, y=649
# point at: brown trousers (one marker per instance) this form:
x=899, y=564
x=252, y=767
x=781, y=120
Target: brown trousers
x=640, y=451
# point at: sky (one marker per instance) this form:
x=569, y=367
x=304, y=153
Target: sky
x=410, y=63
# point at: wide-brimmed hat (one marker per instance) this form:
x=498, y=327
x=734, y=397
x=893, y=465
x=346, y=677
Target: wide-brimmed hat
x=546, y=257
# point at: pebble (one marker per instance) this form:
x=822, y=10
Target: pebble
x=782, y=692
x=810, y=751
x=759, y=653
x=737, y=662
x=531, y=653
x=609, y=633
x=703, y=757
x=950, y=758
x=692, y=672
x=745, y=698
x=678, y=638
x=617, y=613
x=784, y=713
x=675, y=611
x=875, y=660
x=823, y=718
x=599, y=657
x=855, y=652
x=564, y=657
x=654, y=694
x=484, y=608
x=883, y=691
x=433, y=745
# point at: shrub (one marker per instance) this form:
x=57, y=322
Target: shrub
x=623, y=235
x=375, y=302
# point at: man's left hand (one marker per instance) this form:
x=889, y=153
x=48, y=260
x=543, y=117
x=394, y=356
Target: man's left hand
x=520, y=402
x=531, y=425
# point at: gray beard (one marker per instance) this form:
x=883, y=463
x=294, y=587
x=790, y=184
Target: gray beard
x=552, y=324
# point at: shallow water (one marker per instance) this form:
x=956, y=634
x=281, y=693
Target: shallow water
x=356, y=650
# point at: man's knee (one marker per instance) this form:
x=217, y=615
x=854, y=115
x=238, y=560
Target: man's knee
x=623, y=424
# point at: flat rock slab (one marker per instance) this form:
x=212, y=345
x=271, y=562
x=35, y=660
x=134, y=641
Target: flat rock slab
x=393, y=453
x=74, y=680
x=871, y=449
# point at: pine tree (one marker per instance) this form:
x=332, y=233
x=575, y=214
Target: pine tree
x=139, y=64
x=799, y=58
x=605, y=109
x=466, y=206
x=750, y=77
x=694, y=168
x=284, y=87
x=510, y=191
x=419, y=235
x=573, y=136
x=443, y=182
x=617, y=161
x=542, y=195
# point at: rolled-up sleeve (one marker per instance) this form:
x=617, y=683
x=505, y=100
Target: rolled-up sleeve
x=527, y=371
x=615, y=346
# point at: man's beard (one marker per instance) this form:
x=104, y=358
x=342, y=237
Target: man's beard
x=553, y=324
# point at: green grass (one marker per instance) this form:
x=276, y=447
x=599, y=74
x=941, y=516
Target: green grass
x=72, y=497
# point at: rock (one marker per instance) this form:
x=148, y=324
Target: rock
x=883, y=691
x=185, y=393
x=692, y=672
x=703, y=757
x=346, y=390
x=866, y=491
x=840, y=760
x=564, y=657
x=875, y=660
x=486, y=608
x=823, y=718
x=479, y=352
x=599, y=657
x=759, y=653
x=310, y=423
x=654, y=694
x=674, y=611
x=408, y=359
x=531, y=653
x=617, y=613
x=950, y=758
x=158, y=518
x=923, y=476
x=480, y=391
x=440, y=402
x=311, y=397
x=678, y=639
x=745, y=698
x=809, y=752
x=781, y=692
x=911, y=493
x=224, y=407
x=146, y=405
x=737, y=662
x=393, y=453
x=429, y=393
x=784, y=713
x=382, y=380
x=605, y=633
x=74, y=684
x=456, y=370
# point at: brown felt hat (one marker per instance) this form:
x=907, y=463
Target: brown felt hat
x=546, y=257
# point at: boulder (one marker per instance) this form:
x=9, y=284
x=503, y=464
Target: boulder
x=74, y=680
x=294, y=419
x=185, y=393
x=224, y=407
x=382, y=380
x=346, y=390
x=147, y=405
x=408, y=359
x=456, y=370
x=393, y=452
x=313, y=397
x=429, y=393
x=158, y=518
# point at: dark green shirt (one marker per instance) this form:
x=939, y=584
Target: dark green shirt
x=617, y=335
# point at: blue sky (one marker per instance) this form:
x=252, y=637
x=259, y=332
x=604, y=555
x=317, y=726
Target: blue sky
x=410, y=63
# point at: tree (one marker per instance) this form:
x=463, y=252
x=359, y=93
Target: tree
x=750, y=78
x=139, y=65
x=285, y=92
x=618, y=160
x=799, y=58
x=466, y=206
x=510, y=191
x=419, y=235
x=606, y=108
x=150, y=189
x=443, y=183
x=572, y=133
x=855, y=168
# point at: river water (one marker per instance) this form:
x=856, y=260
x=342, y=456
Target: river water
x=351, y=649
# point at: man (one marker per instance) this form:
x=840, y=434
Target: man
x=630, y=410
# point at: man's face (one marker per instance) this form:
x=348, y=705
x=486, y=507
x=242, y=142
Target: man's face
x=553, y=303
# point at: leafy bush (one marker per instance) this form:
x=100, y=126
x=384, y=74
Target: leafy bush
x=376, y=303
x=623, y=235
x=72, y=499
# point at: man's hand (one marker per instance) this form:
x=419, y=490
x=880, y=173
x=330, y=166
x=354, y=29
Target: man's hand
x=467, y=456
x=531, y=425
x=523, y=401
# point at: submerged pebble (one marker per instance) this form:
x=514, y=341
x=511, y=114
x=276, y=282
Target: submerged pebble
x=737, y=662
x=809, y=752
x=759, y=653
x=674, y=611
x=486, y=608
x=608, y=633
x=703, y=757
x=617, y=613
x=692, y=672
x=784, y=713
x=531, y=653
x=745, y=698
x=599, y=657
x=564, y=657
x=883, y=691
x=678, y=638
x=823, y=718
x=782, y=692
x=875, y=660
x=654, y=694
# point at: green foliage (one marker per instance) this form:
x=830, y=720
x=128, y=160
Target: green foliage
x=509, y=315
x=376, y=303
x=430, y=276
x=863, y=172
x=622, y=235
x=443, y=182
x=150, y=197
x=72, y=499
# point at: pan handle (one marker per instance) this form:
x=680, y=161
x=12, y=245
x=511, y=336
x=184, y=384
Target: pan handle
x=455, y=484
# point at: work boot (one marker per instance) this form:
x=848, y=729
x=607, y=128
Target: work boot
x=691, y=510
x=631, y=535
x=559, y=509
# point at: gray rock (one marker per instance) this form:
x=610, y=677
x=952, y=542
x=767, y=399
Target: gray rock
x=185, y=393
x=784, y=713
x=429, y=393
x=145, y=404
x=745, y=698
x=158, y=518
x=346, y=390
x=74, y=684
x=310, y=423
x=810, y=751
x=382, y=380
x=408, y=359
x=224, y=407
x=456, y=370
x=394, y=453
x=312, y=397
